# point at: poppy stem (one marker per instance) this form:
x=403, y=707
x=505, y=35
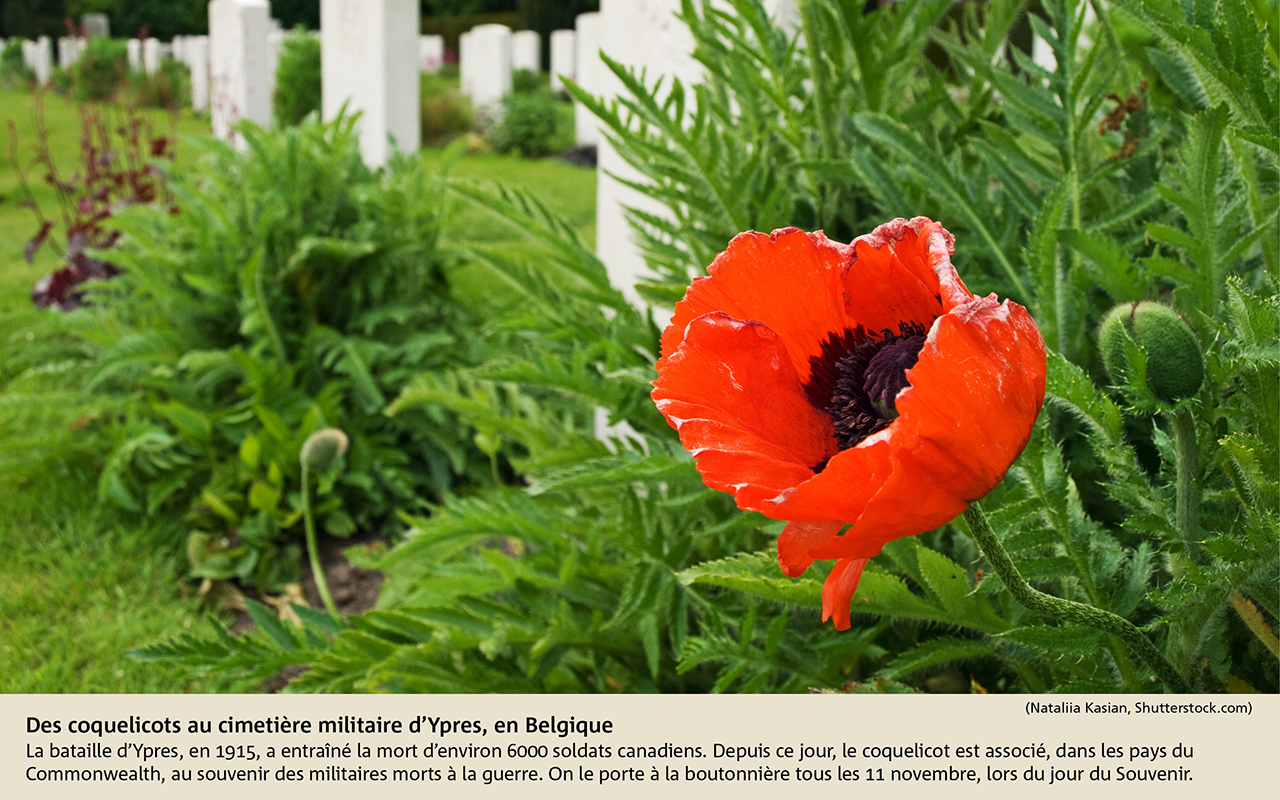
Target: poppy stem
x=1050, y=606
x=1187, y=510
x=313, y=549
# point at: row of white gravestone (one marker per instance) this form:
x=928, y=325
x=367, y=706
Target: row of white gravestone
x=38, y=56
x=371, y=56
x=489, y=54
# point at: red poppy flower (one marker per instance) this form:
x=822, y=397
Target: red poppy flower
x=860, y=384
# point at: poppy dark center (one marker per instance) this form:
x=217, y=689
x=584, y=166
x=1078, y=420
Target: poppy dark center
x=864, y=373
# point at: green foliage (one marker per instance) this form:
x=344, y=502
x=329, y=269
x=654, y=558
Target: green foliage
x=296, y=290
x=527, y=124
x=98, y=71
x=446, y=113
x=168, y=87
x=14, y=72
x=525, y=81
x=297, y=91
x=610, y=567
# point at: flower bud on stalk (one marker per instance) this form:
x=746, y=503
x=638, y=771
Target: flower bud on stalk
x=323, y=449
x=1175, y=366
x=1175, y=370
x=321, y=452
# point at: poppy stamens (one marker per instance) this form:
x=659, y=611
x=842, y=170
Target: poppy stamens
x=868, y=379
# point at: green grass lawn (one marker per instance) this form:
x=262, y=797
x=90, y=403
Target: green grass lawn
x=77, y=590
x=80, y=587
x=567, y=190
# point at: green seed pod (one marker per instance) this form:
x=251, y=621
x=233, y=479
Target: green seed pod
x=323, y=449
x=1175, y=365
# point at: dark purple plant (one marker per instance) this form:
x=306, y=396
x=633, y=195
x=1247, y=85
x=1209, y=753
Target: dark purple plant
x=117, y=148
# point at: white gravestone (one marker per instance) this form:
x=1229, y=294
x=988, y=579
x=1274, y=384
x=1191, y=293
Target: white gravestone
x=66, y=51
x=196, y=50
x=430, y=53
x=490, y=73
x=369, y=63
x=562, y=58
x=179, y=48
x=29, y=53
x=95, y=25
x=275, y=46
x=133, y=51
x=43, y=56
x=589, y=74
x=238, y=80
x=151, y=55
x=526, y=51
x=464, y=62
x=644, y=35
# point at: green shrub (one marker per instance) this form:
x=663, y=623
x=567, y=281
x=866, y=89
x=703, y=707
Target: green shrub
x=98, y=72
x=526, y=81
x=60, y=81
x=296, y=290
x=168, y=88
x=14, y=73
x=446, y=112
x=297, y=91
x=527, y=125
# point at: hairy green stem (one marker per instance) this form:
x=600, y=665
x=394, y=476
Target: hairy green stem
x=1050, y=606
x=1188, y=498
x=313, y=549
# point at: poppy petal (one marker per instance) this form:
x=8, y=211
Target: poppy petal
x=843, y=488
x=903, y=267
x=975, y=394
x=788, y=280
x=838, y=589
x=898, y=273
x=733, y=395
x=798, y=538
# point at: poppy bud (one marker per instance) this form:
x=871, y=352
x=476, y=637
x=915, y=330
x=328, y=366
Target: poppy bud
x=1175, y=366
x=323, y=449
